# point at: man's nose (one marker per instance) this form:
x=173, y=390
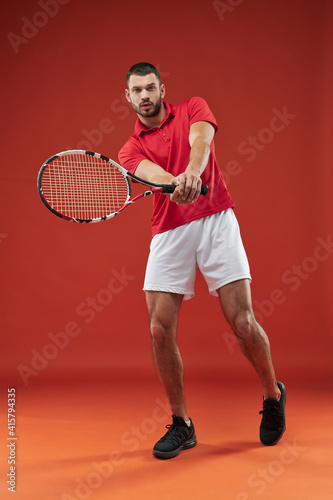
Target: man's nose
x=144, y=95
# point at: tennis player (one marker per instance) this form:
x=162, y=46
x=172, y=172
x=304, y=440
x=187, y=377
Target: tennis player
x=175, y=145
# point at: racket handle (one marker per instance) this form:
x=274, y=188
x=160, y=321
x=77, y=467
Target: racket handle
x=169, y=188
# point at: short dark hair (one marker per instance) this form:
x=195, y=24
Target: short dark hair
x=143, y=69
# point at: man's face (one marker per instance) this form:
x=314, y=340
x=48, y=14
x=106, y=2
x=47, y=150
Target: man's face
x=145, y=94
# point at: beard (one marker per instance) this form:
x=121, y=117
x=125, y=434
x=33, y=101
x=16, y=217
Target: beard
x=152, y=110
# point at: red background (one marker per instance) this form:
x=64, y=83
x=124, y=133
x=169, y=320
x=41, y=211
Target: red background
x=68, y=78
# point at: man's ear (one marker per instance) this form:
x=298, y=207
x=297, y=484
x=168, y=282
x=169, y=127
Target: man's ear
x=127, y=95
x=162, y=90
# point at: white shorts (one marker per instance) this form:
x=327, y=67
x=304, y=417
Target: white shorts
x=213, y=244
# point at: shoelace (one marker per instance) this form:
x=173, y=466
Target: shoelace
x=176, y=434
x=272, y=415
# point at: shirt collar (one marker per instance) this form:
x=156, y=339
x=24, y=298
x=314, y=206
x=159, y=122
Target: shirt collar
x=141, y=129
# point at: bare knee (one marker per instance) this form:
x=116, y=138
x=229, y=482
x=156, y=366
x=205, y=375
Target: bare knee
x=161, y=334
x=245, y=325
x=163, y=309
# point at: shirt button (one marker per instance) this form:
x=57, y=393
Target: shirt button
x=164, y=135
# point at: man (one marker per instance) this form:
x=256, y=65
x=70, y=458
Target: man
x=174, y=145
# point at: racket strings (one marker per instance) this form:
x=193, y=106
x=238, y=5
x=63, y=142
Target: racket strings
x=83, y=186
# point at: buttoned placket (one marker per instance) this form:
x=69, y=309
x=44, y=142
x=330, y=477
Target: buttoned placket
x=162, y=134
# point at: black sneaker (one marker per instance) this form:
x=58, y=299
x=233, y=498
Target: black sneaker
x=179, y=437
x=273, y=422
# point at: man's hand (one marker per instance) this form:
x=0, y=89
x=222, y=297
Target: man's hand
x=188, y=188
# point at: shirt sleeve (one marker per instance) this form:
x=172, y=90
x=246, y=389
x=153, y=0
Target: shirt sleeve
x=131, y=155
x=199, y=112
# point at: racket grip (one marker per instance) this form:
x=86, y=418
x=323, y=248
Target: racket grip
x=204, y=189
x=169, y=188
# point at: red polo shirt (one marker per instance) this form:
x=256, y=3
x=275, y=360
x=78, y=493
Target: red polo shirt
x=168, y=146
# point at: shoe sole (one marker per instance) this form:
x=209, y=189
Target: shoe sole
x=284, y=400
x=171, y=454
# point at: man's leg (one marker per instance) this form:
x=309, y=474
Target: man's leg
x=236, y=304
x=163, y=309
x=163, y=313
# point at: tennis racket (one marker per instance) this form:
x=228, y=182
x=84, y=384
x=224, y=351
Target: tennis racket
x=82, y=186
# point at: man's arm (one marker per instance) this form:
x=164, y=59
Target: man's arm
x=189, y=183
x=149, y=171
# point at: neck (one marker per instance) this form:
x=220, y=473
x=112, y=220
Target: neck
x=153, y=121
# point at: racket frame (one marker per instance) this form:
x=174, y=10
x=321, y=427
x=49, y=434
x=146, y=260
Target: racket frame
x=155, y=188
